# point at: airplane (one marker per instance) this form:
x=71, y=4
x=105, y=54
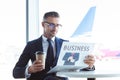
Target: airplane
x=86, y=24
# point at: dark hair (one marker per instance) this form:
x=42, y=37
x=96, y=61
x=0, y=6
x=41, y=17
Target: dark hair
x=50, y=14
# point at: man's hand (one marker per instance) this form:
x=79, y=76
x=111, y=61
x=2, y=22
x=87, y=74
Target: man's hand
x=35, y=67
x=90, y=60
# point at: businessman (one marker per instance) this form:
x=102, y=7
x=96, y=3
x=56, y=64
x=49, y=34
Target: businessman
x=48, y=43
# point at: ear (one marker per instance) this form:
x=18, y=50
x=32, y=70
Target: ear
x=43, y=24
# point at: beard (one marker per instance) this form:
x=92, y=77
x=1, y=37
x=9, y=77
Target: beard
x=50, y=34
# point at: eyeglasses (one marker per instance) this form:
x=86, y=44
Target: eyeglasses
x=52, y=25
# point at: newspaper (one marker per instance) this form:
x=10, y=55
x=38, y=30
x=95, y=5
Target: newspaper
x=72, y=56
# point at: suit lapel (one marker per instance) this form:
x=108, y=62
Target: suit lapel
x=58, y=44
x=39, y=47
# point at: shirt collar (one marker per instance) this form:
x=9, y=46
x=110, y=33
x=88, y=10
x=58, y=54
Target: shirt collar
x=45, y=39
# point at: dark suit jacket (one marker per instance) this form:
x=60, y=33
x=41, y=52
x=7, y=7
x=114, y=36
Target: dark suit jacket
x=28, y=54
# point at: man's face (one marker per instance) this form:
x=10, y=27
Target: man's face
x=51, y=26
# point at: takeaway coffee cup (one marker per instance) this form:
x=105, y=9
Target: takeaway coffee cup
x=41, y=56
